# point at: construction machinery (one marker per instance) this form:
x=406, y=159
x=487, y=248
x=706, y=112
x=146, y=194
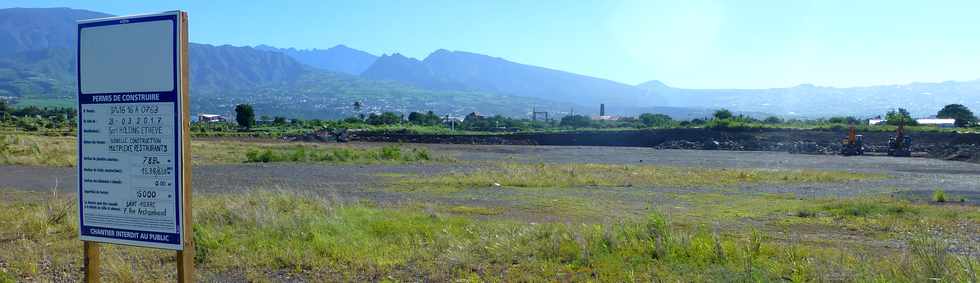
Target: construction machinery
x=342, y=135
x=900, y=145
x=853, y=144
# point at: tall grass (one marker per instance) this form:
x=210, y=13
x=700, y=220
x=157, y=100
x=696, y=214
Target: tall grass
x=312, y=154
x=37, y=150
x=578, y=175
x=266, y=235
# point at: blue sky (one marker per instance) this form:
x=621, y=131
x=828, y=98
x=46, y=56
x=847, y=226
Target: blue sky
x=690, y=43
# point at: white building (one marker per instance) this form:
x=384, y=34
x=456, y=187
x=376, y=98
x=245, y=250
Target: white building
x=210, y=118
x=939, y=122
x=606, y=118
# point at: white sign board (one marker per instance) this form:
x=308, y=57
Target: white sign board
x=130, y=134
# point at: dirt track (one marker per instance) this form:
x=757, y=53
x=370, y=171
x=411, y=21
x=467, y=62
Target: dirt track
x=916, y=177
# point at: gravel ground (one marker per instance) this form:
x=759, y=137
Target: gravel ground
x=914, y=177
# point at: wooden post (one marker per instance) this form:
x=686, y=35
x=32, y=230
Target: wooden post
x=185, y=257
x=91, y=262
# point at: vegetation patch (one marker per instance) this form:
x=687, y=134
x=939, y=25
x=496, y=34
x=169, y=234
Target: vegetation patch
x=37, y=150
x=580, y=175
x=939, y=195
x=262, y=235
x=867, y=208
x=339, y=155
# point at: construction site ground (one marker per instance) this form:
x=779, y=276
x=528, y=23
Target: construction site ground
x=781, y=211
x=914, y=178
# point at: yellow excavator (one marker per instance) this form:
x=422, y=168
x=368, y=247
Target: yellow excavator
x=901, y=144
x=853, y=144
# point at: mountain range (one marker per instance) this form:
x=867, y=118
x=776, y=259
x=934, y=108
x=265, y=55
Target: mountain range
x=457, y=70
x=37, y=64
x=921, y=99
x=340, y=58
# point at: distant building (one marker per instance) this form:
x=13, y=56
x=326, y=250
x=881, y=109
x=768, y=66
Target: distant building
x=473, y=116
x=876, y=121
x=452, y=119
x=606, y=118
x=264, y=121
x=210, y=118
x=938, y=122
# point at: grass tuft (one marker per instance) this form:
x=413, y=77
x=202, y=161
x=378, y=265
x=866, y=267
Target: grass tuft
x=868, y=208
x=938, y=195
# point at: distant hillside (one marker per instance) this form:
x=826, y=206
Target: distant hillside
x=225, y=67
x=222, y=76
x=921, y=99
x=51, y=72
x=339, y=58
x=45, y=72
x=455, y=70
x=28, y=29
x=332, y=95
x=399, y=68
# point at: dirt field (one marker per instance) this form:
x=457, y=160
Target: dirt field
x=915, y=177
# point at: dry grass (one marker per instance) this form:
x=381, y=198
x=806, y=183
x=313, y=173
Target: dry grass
x=37, y=150
x=231, y=152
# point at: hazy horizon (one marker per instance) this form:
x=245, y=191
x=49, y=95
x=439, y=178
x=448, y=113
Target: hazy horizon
x=700, y=44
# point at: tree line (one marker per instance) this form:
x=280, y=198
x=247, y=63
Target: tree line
x=722, y=118
x=33, y=118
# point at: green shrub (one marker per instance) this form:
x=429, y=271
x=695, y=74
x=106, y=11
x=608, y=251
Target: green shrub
x=390, y=153
x=939, y=195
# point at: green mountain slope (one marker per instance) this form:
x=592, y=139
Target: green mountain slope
x=43, y=72
x=27, y=29
x=46, y=73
